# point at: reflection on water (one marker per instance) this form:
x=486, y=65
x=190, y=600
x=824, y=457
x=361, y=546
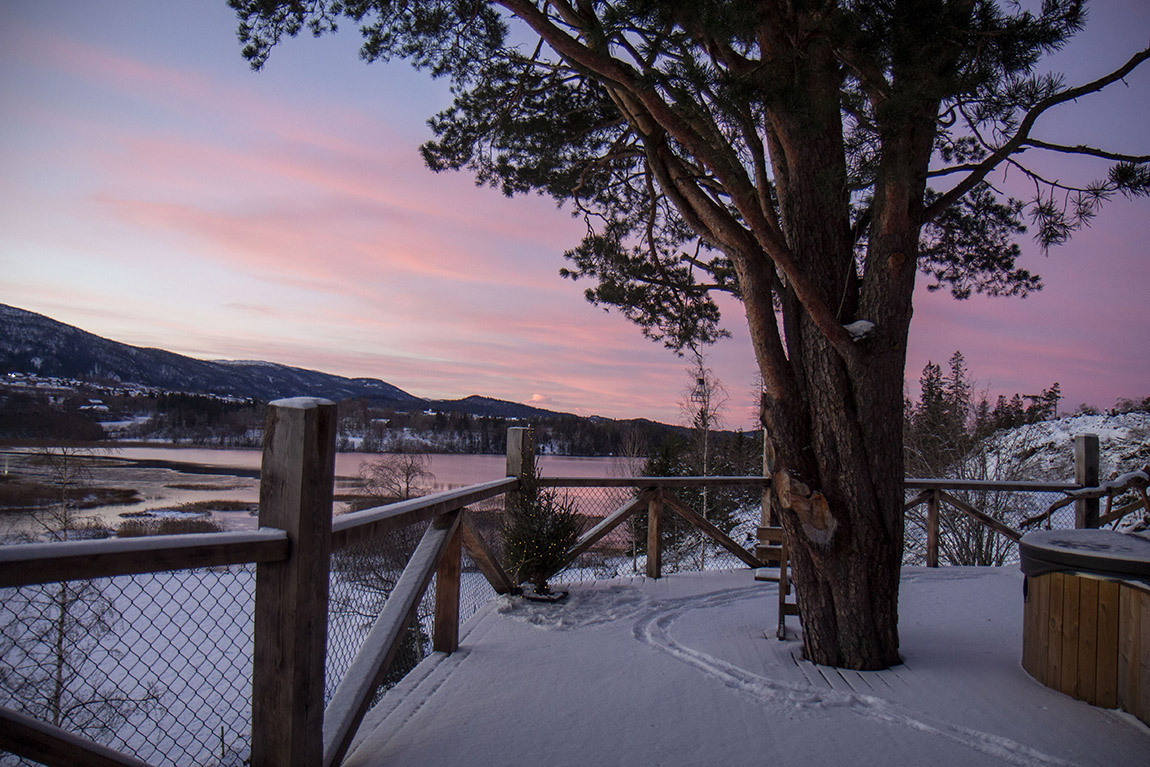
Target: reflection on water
x=450, y=470
x=167, y=477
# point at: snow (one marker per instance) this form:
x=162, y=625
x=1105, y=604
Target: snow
x=859, y=329
x=1105, y=551
x=1124, y=442
x=301, y=403
x=686, y=671
x=1044, y=451
x=1138, y=478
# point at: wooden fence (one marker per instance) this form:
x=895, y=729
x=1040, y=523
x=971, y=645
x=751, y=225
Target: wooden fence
x=292, y=551
x=934, y=493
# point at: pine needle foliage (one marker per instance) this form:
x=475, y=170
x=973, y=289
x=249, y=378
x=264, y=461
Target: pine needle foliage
x=539, y=528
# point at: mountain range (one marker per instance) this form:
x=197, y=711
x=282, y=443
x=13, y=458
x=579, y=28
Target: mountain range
x=31, y=343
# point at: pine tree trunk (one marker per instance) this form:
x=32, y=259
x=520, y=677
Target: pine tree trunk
x=838, y=491
x=834, y=415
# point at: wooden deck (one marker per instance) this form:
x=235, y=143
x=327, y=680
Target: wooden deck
x=686, y=671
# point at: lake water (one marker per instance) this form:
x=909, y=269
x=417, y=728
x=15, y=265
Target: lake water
x=166, y=477
x=450, y=470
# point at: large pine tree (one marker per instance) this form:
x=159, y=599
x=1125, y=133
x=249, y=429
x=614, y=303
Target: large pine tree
x=807, y=156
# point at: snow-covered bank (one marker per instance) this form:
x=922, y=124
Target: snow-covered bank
x=685, y=671
x=1048, y=446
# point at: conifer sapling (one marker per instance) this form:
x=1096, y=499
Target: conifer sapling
x=539, y=528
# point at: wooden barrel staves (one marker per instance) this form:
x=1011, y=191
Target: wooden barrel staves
x=1086, y=625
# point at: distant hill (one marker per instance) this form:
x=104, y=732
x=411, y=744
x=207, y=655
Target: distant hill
x=34, y=344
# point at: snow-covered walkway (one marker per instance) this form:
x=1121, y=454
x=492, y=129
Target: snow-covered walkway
x=686, y=671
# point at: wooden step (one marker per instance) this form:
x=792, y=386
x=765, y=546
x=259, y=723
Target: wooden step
x=768, y=559
x=767, y=574
x=769, y=534
x=790, y=608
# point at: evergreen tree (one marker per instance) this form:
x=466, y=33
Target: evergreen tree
x=937, y=431
x=539, y=528
x=781, y=153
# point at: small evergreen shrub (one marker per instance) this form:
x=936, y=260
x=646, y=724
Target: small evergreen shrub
x=539, y=528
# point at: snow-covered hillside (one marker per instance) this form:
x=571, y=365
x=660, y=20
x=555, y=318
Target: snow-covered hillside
x=1045, y=451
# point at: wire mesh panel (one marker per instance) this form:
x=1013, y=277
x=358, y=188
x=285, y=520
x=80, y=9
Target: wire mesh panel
x=474, y=590
x=363, y=576
x=623, y=551
x=735, y=510
x=155, y=665
x=617, y=553
x=962, y=540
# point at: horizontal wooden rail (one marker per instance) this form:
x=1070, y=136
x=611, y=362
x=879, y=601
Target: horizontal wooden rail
x=47, y=744
x=380, y=520
x=28, y=563
x=653, y=481
x=353, y=695
x=916, y=483
x=919, y=483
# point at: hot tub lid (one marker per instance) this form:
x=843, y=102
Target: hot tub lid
x=1106, y=552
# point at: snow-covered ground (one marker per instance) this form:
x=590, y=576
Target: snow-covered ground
x=686, y=671
x=1044, y=451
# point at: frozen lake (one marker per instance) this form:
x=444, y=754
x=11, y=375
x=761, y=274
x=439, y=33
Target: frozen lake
x=168, y=476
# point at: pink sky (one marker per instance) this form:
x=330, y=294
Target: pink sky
x=157, y=192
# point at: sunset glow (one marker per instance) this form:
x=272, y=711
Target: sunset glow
x=158, y=192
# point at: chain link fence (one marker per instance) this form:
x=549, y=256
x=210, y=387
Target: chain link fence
x=963, y=540
x=156, y=665
x=160, y=665
x=363, y=576
x=623, y=551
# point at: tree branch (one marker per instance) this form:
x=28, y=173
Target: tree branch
x=1022, y=134
x=652, y=115
x=1089, y=150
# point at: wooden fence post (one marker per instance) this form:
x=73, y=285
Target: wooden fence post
x=1086, y=461
x=296, y=481
x=655, y=534
x=520, y=464
x=520, y=451
x=445, y=634
x=932, y=529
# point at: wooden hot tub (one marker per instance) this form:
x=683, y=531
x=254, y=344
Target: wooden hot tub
x=1086, y=626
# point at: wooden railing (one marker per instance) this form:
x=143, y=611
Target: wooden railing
x=292, y=551
x=936, y=492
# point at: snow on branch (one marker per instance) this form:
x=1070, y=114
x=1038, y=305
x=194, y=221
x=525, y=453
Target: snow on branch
x=859, y=329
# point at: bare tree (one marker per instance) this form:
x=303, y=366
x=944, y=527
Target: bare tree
x=702, y=406
x=397, y=476
x=629, y=460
